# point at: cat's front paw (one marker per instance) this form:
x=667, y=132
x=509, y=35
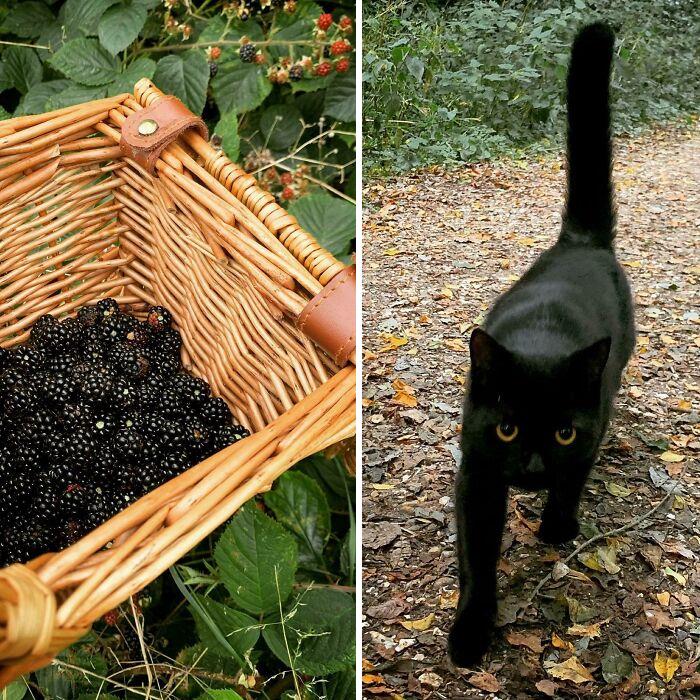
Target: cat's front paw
x=471, y=634
x=558, y=530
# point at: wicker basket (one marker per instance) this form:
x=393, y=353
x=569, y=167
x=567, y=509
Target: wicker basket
x=80, y=221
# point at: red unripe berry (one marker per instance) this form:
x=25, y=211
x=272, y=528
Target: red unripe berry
x=345, y=22
x=324, y=21
x=342, y=65
x=323, y=69
x=287, y=193
x=340, y=47
x=215, y=53
x=111, y=618
x=286, y=178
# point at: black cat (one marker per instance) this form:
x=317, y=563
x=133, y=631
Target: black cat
x=547, y=364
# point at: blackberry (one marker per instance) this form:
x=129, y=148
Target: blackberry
x=60, y=389
x=28, y=460
x=139, y=335
x=124, y=392
x=226, y=435
x=214, y=411
x=107, y=308
x=165, y=364
x=196, y=436
x=247, y=53
x=148, y=396
x=5, y=357
x=94, y=351
x=89, y=316
x=57, y=338
x=40, y=330
x=9, y=378
x=29, y=360
x=41, y=426
x=20, y=399
x=296, y=73
x=193, y=390
x=168, y=341
x=102, y=426
x=127, y=444
x=82, y=447
x=159, y=319
x=114, y=328
x=213, y=69
x=73, y=331
x=97, y=387
x=128, y=360
x=175, y=463
x=59, y=364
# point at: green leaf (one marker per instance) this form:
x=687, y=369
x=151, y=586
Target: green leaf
x=220, y=695
x=84, y=61
x=15, y=691
x=83, y=16
x=74, y=95
x=120, y=25
x=27, y=19
x=36, y=99
x=257, y=559
x=186, y=76
x=329, y=219
x=341, y=686
x=240, y=630
x=216, y=30
x=617, y=665
x=240, y=87
x=142, y=67
x=319, y=637
x=281, y=126
x=22, y=67
x=52, y=35
x=4, y=114
x=340, y=98
x=227, y=129
x=301, y=506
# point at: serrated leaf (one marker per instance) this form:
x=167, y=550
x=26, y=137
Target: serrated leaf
x=257, y=559
x=666, y=665
x=85, y=62
x=53, y=36
x=281, y=126
x=616, y=665
x=240, y=630
x=320, y=634
x=142, y=67
x=227, y=129
x=35, y=101
x=14, y=691
x=330, y=220
x=340, y=98
x=84, y=15
x=120, y=25
x=27, y=19
x=212, y=694
x=301, y=506
x=22, y=68
x=240, y=87
x=186, y=76
x=74, y=94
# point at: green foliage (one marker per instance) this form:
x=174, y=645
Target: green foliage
x=295, y=136
x=478, y=78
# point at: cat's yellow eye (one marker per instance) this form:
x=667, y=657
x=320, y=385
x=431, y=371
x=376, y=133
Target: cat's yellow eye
x=507, y=432
x=565, y=436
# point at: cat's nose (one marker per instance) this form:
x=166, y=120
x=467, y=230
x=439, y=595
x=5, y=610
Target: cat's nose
x=536, y=465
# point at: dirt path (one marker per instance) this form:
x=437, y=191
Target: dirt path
x=438, y=249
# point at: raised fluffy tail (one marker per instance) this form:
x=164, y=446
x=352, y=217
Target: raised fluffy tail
x=589, y=216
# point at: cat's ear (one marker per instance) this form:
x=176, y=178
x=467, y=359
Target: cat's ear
x=587, y=365
x=486, y=354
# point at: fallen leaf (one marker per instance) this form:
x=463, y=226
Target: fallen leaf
x=524, y=639
x=446, y=293
x=391, y=342
x=617, y=490
x=592, y=630
x=664, y=598
x=578, y=612
x=420, y=625
x=449, y=600
x=430, y=679
x=675, y=575
x=570, y=670
x=549, y=688
x=392, y=251
x=666, y=665
x=560, y=643
x=616, y=665
x=484, y=681
x=669, y=456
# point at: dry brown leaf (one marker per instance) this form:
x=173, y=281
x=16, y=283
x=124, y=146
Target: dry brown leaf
x=391, y=342
x=449, y=600
x=549, y=688
x=669, y=456
x=419, y=625
x=664, y=598
x=570, y=670
x=666, y=665
x=484, y=681
x=592, y=630
x=560, y=643
x=525, y=639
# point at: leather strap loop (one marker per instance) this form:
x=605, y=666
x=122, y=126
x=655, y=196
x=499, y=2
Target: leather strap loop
x=147, y=132
x=329, y=318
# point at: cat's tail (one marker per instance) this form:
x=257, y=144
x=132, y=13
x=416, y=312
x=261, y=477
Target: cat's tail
x=589, y=215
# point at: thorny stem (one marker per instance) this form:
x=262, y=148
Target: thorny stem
x=611, y=533
x=226, y=42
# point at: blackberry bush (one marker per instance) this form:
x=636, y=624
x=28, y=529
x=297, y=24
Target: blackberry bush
x=96, y=411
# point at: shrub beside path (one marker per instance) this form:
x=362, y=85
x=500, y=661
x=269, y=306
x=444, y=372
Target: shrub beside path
x=622, y=618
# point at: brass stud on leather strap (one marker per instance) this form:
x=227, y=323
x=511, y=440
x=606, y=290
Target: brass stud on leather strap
x=148, y=127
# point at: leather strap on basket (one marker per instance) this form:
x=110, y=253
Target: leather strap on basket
x=329, y=318
x=147, y=132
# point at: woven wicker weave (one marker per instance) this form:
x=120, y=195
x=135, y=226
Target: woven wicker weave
x=78, y=223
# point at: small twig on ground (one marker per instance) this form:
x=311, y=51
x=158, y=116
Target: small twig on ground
x=611, y=533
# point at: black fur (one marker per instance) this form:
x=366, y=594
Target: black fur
x=550, y=356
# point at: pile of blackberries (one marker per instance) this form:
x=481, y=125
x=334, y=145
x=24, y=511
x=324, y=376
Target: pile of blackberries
x=95, y=412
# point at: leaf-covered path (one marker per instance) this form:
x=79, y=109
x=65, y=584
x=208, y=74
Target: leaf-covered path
x=623, y=619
